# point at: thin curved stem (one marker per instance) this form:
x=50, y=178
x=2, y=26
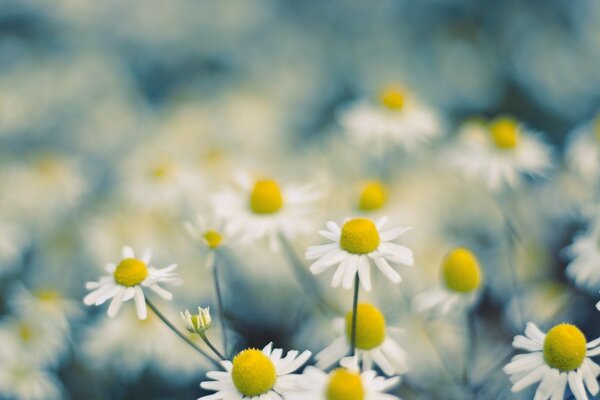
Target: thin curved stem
x=179, y=333
x=354, y=316
x=212, y=347
x=219, y=295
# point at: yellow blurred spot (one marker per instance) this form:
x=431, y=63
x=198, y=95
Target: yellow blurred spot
x=392, y=98
x=266, y=197
x=461, y=271
x=373, y=196
x=505, y=132
x=370, y=327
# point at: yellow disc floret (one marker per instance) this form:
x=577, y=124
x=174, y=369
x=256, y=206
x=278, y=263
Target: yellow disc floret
x=130, y=272
x=505, y=132
x=25, y=332
x=344, y=385
x=253, y=373
x=392, y=98
x=461, y=271
x=370, y=327
x=266, y=197
x=359, y=236
x=373, y=196
x=213, y=238
x=564, y=347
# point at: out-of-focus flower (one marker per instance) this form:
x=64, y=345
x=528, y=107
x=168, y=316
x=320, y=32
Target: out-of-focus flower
x=585, y=252
x=22, y=379
x=373, y=196
x=461, y=276
x=207, y=233
x=254, y=373
x=264, y=209
x=374, y=342
x=344, y=383
x=357, y=241
x=125, y=282
x=499, y=153
x=398, y=117
x=198, y=323
x=555, y=358
x=583, y=151
x=13, y=240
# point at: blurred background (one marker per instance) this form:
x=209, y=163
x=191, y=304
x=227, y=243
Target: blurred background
x=118, y=121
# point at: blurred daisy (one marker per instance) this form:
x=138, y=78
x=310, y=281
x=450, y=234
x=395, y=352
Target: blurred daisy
x=13, y=241
x=373, y=196
x=499, y=153
x=584, y=268
x=208, y=233
x=358, y=241
x=396, y=117
x=125, y=282
x=254, y=373
x=559, y=357
x=374, y=344
x=461, y=277
x=21, y=379
x=264, y=209
x=345, y=383
x=583, y=151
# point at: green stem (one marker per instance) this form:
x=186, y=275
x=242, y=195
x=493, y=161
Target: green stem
x=212, y=347
x=354, y=316
x=179, y=333
x=219, y=294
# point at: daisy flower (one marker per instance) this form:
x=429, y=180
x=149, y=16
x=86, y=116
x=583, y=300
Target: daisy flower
x=265, y=209
x=397, y=116
x=358, y=242
x=373, y=196
x=583, y=151
x=559, y=357
x=125, y=281
x=255, y=374
x=25, y=380
x=461, y=277
x=209, y=233
x=499, y=153
x=374, y=343
x=345, y=383
x=585, y=253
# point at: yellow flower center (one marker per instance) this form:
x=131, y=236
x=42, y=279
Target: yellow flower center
x=253, y=373
x=505, y=132
x=370, y=327
x=564, y=347
x=359, y=236
x=25, y=332
x=460, y=270
x=266, y=197
x=47, y=295
x=161, y=171
x=344, y=385
x=373, y=196
x=213, y=238
x=392, y=99
x=130, y=272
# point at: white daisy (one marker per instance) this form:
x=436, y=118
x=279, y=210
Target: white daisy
x=583, y=151
x=125, y=282
x=584, y=268
x=255, y=374
x=264, y=209
x=499, y=153
x=357, y=242
x=22, y=379
x=374, y=342
x=461, y=276
x=397, y=117
x=559, y=357
x=345, y=383
x=208, y=233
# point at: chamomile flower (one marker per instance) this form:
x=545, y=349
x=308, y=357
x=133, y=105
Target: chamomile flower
x=265, y=209
x=461, y=277
x=256, y=374
x=344, y=383
x=556, y=358
x=374, y=342
x=499, y=153
x=25, y=380
x=584, y=268
x=198, y=323
x=125, y=281
x=583, y=151
x=208, y=233
x=397, y=116
x=355, y=245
